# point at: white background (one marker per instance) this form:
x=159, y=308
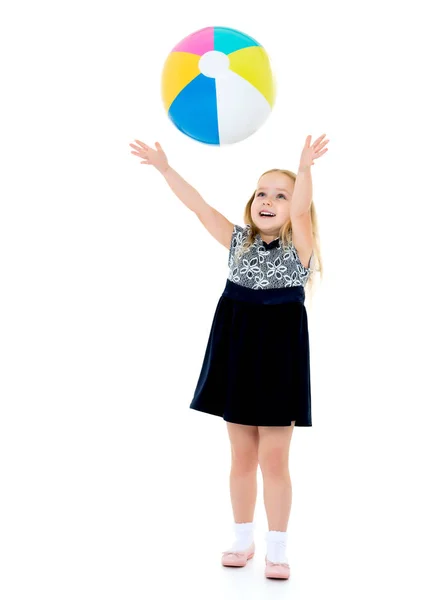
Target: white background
x=111, y=487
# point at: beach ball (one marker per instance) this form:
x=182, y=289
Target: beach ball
x=217, y=85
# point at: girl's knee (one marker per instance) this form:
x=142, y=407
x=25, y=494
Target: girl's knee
x=244, y=462
x=273, y=462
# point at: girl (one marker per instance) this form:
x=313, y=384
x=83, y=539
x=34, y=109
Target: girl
x=256, y=373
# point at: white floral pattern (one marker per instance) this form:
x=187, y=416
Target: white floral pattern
x=265, y=266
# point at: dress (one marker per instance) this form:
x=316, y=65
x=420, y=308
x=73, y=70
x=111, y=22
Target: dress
x=256, y=367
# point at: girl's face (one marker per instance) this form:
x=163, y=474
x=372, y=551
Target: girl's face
x=273, y=194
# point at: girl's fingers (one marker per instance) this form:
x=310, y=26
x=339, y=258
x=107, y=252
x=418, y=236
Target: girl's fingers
x=320, y=145
x=140, y=153
x=318, y=140
x=142, y=145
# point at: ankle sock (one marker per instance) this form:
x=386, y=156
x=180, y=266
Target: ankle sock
x=244, y=536
x=277, y=546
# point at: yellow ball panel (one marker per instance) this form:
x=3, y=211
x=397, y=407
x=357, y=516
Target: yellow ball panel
x=179, y=70
x=253, y=65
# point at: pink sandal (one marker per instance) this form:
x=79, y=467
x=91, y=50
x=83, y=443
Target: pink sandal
x=237, y=559
x=276, y=570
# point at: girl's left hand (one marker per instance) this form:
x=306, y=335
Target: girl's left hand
x=309, y=152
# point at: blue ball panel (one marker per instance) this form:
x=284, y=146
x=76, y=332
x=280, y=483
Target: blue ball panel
x=194, y=111
x=230, y=40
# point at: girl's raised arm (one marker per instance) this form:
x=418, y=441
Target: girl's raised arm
x=214, y=222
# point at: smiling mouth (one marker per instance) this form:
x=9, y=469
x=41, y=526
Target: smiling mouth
x=266, y=214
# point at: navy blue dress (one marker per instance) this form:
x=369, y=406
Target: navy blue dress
x=256, y=367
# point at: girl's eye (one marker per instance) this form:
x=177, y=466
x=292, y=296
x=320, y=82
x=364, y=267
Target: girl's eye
x=262, y=194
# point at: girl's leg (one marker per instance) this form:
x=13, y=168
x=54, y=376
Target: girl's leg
x=244, y=441
x=274, y=445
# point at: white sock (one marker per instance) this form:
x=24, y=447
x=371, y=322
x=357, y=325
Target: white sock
x=277, y=546
x=244, y=536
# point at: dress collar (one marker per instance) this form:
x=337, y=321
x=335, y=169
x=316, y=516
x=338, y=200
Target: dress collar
x=268, y=246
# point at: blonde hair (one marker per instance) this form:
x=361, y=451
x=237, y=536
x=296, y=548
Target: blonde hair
x=285, y=233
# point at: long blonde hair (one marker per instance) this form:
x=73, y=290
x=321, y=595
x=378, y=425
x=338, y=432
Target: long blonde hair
x=285, y=233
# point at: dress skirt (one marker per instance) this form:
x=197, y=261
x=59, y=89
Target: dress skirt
x=256, y=367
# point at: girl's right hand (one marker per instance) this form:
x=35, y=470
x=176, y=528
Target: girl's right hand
x=150, y=156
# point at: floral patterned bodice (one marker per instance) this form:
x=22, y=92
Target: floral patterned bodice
x=264, y=265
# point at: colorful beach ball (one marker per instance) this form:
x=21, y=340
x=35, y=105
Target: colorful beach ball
x=218, y=86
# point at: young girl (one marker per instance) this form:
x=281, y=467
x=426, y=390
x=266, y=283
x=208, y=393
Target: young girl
x=256, y=373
